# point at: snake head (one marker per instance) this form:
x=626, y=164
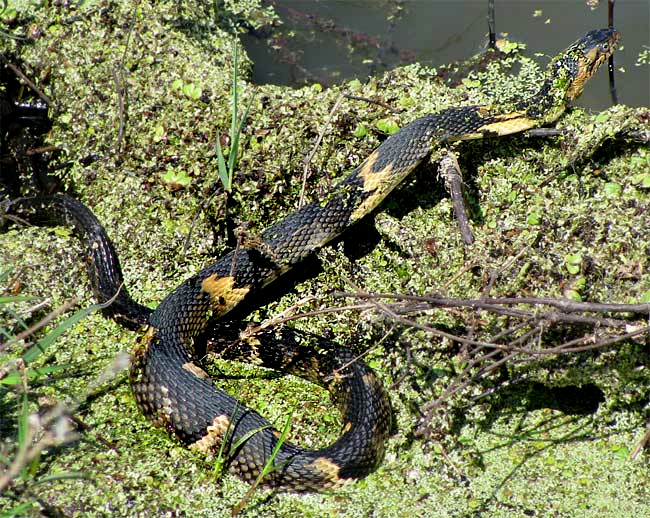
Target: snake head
x=571, y=69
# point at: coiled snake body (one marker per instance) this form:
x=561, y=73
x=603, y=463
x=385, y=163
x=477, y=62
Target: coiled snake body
x=175, y=393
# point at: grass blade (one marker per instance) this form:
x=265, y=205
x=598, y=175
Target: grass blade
x=23, y=430
x=19, y=510
x=14, y=378
x=42, y=345
x=69, y=475
x=234, y=145
x=225, y=178
x=269, y=467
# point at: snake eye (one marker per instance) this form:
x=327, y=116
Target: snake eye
x=605, y=47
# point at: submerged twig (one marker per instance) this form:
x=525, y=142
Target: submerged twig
x=610, y=63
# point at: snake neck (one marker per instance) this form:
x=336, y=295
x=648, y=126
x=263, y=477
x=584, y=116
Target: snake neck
x=546, y=106
x=553, y=97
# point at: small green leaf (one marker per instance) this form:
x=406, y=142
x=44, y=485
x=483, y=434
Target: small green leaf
x=471, y=83
x=388, y=126
x=575, y=289
x=8, y=14
x=573, y=295
x=62, y=231
x=360, y=131
x=355, y=84
x=645, y=298
x=177, y=84
x=580, y=283
x=534, y=218
x=176, y=179
x=642, y=180
x=508, y=47
x=602, y=117
x=620, y=451
x=612, y=190
x=573, y=263
x=192, y=91
x=158, y=133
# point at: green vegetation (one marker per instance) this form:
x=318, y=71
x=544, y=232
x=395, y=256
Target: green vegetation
x=35, y=431
x=498, y=448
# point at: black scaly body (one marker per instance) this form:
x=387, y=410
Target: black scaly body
x=176, y=394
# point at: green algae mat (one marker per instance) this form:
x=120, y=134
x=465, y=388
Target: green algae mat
x=140, y=94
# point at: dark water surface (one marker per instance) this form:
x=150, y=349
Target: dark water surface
x=327, y=41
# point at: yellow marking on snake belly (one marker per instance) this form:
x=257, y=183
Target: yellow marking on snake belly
x=508, y=127
x=166, y=408
x=215, y=434
x=369, y=380
x=507, y=124
x=377, y=183
x=222, y=294
x=330, y=470
x=196, y=370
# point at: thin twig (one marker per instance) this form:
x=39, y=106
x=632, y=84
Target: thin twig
x=120, y=85
x=27, y=81
x=373, y=101
x=487, y=303
x=312, y=152
x=41, y=150
x=41, y=323
x=641, y=444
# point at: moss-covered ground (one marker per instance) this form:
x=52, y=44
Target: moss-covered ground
x=554, y=216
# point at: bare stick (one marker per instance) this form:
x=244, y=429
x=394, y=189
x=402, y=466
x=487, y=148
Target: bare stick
x=310, y=155
x=641, y=444
x=27, y=81
x=564, y=304
x=449, y=170
x=373, y=101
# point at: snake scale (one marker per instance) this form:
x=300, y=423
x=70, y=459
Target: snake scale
x=176, y=394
